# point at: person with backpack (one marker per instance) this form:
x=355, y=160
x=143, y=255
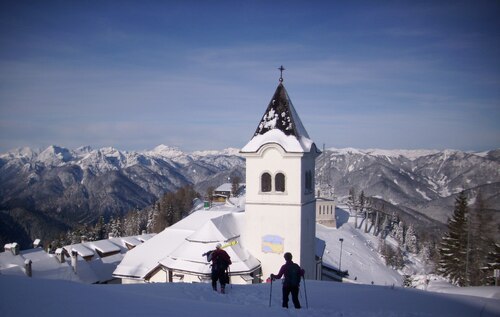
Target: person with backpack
x=292, y=273
x=220, y=262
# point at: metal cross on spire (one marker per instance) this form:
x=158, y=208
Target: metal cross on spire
x=281, y=68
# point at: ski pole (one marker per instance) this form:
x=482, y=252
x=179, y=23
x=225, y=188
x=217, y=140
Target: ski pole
x=305, y=292
x=271, y=292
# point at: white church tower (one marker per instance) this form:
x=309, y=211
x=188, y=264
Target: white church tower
x=280, y=202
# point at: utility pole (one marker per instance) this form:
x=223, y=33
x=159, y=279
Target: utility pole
x=340, y=260
x=467, y=280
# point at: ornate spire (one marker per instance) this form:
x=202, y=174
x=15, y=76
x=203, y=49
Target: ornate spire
x=281, y=69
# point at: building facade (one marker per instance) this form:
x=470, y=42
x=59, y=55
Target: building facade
x=280, y=212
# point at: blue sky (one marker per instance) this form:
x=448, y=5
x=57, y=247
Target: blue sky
x=199, y=74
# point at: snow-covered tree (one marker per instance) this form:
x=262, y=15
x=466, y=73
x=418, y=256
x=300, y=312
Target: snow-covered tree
x=393, y=256
x=399, y=234
x=426, y=256
x=493, y=263
x=481, y=243
x=132, y=223
x=352, y=203
x=411, y=241
x=115, y=228
x=99, y=231
x=235, y=184
x=386, y=226
x=453, y=248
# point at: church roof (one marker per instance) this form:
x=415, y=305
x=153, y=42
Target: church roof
x=180, y=246
x=280, y=124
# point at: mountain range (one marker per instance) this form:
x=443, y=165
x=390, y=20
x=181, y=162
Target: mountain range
x=43, y=192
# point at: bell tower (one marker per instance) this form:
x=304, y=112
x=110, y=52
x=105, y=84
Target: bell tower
x=280, y=202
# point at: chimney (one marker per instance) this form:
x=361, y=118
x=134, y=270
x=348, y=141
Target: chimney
x=14, y=248
x=27, y=267
x=74, y=258
x=60, y=255
x=36, y=243
x=84, y=239
x=143, y=232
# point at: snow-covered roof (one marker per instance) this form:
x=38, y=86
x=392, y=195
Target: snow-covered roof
x=281, y=125
x=95, y=269
x=43, y=265
x=320, y=247
x=226, y=187
x=81, y=249
x=218, y=229
x=188, y=257
x=181, y=245
x=131, y=241
x=145, y=237
x=103, y=246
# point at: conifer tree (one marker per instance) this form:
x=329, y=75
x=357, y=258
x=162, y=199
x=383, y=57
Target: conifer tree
x=386, y=227
x=100, y=229
x=210, y=193
x=493, y=263
x=353, y=205
x=362, y=207
x=115, y=228
x=399, y=234
x=150, y=219
x=482, y=243
x=159, y=221
x=425, y=254
x=132, y=223
x=235, y=184
x=411, y=242
x=453, y=249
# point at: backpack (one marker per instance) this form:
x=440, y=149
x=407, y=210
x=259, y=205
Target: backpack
x=293, y=275
x=221, y=262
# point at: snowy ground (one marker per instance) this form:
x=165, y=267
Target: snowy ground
x=37, y=297
x=359, y=253
x=22, y=296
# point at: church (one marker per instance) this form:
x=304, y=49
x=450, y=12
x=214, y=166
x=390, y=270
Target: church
x=278, y=213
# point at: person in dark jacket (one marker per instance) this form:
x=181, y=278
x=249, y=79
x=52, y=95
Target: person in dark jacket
x=292, y=273
x=220, y=262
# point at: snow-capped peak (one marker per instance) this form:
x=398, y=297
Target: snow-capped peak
x=228, y=151
x=409, y=154
x=166, y=151
x=55, y=155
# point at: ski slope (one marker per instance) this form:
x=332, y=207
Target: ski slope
x=37, y=297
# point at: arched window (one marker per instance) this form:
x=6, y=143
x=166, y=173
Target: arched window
x=308, y=181
x=279, y=182
x=265, y=182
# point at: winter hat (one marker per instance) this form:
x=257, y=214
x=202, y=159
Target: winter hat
x=218, y=246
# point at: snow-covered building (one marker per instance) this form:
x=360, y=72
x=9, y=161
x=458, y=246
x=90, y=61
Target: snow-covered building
x=278, y=215
x=325, y=211
x=176, y=253
x=224, y=191
x=87, y=262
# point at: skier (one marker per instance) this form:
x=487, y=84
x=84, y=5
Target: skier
x=220, y=262
x=292, y=272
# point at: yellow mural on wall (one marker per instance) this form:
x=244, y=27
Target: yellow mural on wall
x=273, y=244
